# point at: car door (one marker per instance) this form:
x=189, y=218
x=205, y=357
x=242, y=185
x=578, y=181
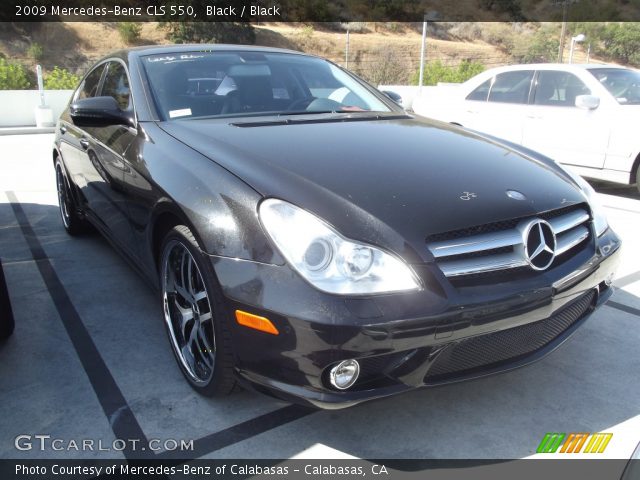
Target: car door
x=555, y=127
x=499, y=104
x=73, y=140
x=102, y=163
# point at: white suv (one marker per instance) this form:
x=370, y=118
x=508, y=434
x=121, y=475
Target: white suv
x=583, y=116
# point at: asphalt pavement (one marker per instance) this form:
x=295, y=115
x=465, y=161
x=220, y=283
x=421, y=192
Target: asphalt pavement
x=90, y=360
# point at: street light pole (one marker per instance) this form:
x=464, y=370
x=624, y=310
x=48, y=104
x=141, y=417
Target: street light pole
x=578, y=38
x=346, y=52
x=563, y=31
x=424, y=42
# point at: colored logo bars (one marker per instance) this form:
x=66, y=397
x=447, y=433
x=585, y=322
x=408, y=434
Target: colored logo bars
x=573, y=442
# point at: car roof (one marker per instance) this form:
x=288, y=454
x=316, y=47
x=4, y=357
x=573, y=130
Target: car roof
x=190, y=47
x=558, y=66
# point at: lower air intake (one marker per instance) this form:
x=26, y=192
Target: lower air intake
x=486, y=351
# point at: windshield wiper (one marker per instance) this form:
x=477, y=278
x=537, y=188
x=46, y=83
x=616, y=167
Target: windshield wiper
x=332, y=119
x=307, y=112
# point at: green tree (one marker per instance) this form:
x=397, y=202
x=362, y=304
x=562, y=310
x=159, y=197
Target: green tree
x=60, y=79
x=210, y=32
x=621, y=42
x=36, y=51
x=438, y=72
x=540, y=47
x=13, y=76
x=129, y=31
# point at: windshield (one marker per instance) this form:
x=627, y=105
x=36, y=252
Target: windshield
x=623, y=84
x=216, y=84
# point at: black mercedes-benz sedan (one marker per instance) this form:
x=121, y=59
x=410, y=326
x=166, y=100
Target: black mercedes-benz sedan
x=312, y=240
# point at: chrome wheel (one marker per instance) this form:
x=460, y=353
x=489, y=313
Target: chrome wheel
x=187, y=312
x=63, y=199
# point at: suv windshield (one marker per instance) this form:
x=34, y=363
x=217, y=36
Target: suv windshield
x=215, y=84
x=622, y=83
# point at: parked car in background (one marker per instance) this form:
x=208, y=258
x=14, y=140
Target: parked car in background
x=583, y=116
x=6, y=313
x=311, y=239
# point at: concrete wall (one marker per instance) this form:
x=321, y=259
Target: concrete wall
x=17, y=107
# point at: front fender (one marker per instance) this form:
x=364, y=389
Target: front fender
x=171, y=178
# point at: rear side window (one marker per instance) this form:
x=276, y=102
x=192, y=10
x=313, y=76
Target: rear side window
x=558, y=89
x=481, y=93
x=89, y=87
x=511, y=87
x=116, y=85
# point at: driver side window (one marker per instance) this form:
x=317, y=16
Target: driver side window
x=116, y=85
x=558, y=89
x=89, y=87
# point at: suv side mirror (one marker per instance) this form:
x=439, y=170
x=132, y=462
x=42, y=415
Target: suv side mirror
x=587, y=102
x=99, y=112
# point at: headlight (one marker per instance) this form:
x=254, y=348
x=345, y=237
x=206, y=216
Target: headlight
x=599, y=218
x=329, y=261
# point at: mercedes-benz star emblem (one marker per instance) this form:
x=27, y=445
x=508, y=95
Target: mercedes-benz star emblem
x=540, y=245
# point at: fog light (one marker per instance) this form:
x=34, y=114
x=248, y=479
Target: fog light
x=345, y=374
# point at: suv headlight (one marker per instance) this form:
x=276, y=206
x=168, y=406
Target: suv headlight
x=599, y=217
x=329, y=261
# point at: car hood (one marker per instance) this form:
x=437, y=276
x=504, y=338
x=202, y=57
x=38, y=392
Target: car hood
x=389, y=180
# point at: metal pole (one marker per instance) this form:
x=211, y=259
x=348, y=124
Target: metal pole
x=571, y=51
x=346, y=53
x=40, y=84
x=422, y=49
x=563, y=31
x=588, y=53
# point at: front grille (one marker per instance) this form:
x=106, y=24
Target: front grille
x=500, y=246
x=491, y=350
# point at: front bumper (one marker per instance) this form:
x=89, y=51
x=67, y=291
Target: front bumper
x=440, y=335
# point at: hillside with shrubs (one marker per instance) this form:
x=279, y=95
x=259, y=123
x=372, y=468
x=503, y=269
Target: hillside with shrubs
x=382, y=53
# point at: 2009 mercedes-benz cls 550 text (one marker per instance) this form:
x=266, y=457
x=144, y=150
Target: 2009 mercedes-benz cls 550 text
x=311, y=239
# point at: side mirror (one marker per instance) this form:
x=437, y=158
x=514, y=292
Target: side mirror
x=393, y=96
x=587, y=102
x=99, y=112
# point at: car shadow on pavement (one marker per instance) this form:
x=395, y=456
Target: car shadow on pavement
x=608, y=188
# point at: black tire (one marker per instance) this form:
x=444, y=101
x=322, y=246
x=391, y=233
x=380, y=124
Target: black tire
x=6, y=314
x=187, y=314
x=71, y=220
x=638, y=178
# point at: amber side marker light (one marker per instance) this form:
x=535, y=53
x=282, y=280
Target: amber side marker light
x=256, y=322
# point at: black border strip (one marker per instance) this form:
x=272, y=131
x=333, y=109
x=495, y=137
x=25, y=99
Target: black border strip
x=624, y=308
x=122, y=420
x=6, y=313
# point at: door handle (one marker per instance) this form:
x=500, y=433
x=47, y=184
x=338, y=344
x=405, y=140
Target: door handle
x=534, y=117
x=84, y=143
x=63, y=129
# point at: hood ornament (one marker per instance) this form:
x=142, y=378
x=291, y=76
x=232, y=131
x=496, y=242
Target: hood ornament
x=468, y=196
